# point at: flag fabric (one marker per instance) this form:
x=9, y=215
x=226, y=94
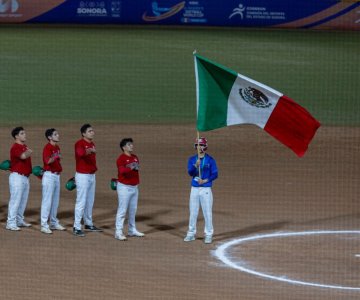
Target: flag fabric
x=226, y=98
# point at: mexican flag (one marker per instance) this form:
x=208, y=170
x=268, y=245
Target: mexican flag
x=226, y=98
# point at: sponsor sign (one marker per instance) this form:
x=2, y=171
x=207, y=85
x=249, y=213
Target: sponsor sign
x=324, y=14
x=243, y=12
x=9, y=9
x=92, y=9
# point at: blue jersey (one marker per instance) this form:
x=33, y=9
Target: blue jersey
x=207, y=167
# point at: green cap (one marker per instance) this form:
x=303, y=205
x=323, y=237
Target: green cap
x=38, y=171
x=70, y=184
x=5, y=165
x=113, y=183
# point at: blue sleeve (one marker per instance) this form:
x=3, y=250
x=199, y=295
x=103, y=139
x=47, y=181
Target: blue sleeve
x=192, y=170
x=213, y=171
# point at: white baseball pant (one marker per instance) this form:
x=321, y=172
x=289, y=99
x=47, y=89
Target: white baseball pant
x=127, y=200
x=201, y=196
x=50, y=199
x=85, y=197
x=19, y=193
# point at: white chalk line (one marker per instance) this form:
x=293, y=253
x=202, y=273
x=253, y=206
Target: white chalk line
x=221, y=254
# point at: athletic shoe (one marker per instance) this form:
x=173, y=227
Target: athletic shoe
x=45, y=230
x=57, y=227
x=208, y=239
x=92, y=228
x=136, y=233
x=24, y=224
x=120, y=236
x=78, y=232
x=13, y=228
x=189, y=238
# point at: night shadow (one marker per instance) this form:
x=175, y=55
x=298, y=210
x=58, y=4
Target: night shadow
x=173, y=229
x=152, y=216
x=250, y=230
x=65, y=214
x=107, y=220
x=32, y=212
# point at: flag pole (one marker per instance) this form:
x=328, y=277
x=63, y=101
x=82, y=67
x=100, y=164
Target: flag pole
x=198, y=151
x=198, y=133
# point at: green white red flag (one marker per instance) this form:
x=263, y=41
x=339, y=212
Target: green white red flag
x=226, y=98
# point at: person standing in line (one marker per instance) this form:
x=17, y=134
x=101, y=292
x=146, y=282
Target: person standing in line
x=203, y=170
x=85, y=156
x=20, y=168
x=127, y=189
x=51, y=183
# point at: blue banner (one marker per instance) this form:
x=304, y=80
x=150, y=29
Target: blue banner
x=255, y=13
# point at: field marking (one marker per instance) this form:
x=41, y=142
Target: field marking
x=221, y=254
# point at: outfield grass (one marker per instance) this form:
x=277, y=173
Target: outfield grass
x=146, y=74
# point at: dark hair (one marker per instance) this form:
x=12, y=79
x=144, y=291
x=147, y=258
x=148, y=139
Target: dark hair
x=16, y=131
x=124, y=142
x=84, y=128
x=49, y=132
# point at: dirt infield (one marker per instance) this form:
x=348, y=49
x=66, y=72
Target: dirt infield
x=262, y=188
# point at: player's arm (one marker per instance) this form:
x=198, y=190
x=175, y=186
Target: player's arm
x=192, y=167
x=123, y=168
x=26, y=154
x=89, y=151
x=52, y=158
x=213, y=173
x=80, y=151
x=49, y=158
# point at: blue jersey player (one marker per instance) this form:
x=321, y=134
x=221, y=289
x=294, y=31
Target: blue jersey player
x=203, y=170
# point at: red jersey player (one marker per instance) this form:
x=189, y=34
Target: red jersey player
x=127, y=189
x=19, y=180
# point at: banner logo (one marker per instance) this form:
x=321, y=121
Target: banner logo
x=115, y=8
x=238, y=11
x=161, y=13
x=254, y=97
x=8, y=6
x=92, y=9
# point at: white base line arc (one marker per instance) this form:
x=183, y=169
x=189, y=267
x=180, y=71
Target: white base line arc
x=221, y=254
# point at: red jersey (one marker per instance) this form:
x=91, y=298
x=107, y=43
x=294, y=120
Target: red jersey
x=85, y=163
x=18, y=165
x=125, y=174
x=51, y=151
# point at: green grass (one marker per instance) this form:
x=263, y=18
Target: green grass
x=146, y=74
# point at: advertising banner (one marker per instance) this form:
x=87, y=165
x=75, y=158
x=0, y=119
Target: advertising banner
x=325, y=14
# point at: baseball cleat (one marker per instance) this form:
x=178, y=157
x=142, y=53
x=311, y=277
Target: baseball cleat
x=78, y=232
x=45, y=230
x=208, y=239
x=24, y=224
x=92, y=228
x=136, y=233
x=189, y=238
x=57, y=227
x=120, y=236
x=13, y=228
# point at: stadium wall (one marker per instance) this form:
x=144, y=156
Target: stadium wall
x=324, y=14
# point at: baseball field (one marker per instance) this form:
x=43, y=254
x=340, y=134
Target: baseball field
x=294, y=223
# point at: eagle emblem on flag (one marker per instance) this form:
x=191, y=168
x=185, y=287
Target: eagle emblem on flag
x=254, y=97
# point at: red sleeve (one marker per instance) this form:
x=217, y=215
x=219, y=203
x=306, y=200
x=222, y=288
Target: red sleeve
x=17, y=151
x=80, y=149
x=46, y=155
x=121, y=166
